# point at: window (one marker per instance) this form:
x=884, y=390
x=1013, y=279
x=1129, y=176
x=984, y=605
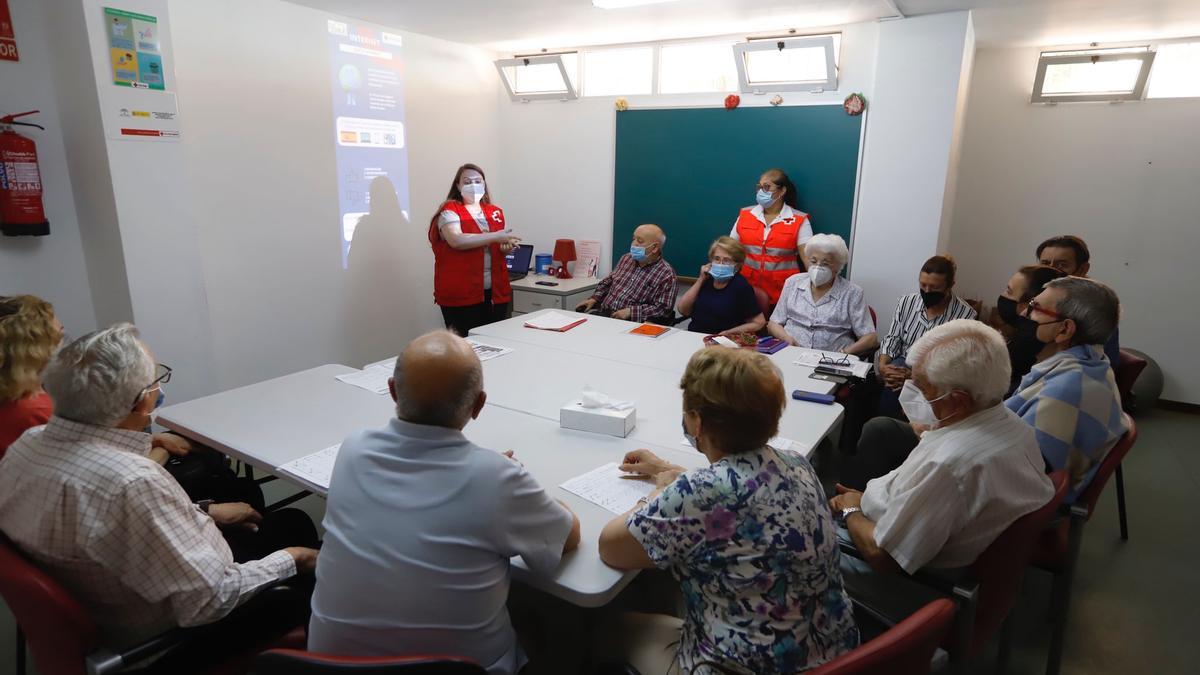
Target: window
x=1176, y=71
x=545, y=76
x=618, y=72
x=1092, y=75
x=696, y=67
x=787, y=64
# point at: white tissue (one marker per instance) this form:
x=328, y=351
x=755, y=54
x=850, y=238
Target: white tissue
x=597, y=399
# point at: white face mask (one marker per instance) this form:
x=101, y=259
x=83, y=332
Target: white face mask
x=472, y=192
x=918, y=408
x=820, y=275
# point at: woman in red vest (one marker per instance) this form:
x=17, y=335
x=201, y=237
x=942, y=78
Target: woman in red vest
x=470, y=239
x=773, y=232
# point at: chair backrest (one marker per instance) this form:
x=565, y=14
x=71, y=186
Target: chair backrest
x=764, y=301
x=58, y=630
x=1107, y=467
x=905, y=649
x=297, y=662
x=1000, y=568
x=1129, y=367
x=874, y=319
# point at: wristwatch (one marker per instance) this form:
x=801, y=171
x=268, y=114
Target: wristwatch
x=203, y=504
x=847, y=511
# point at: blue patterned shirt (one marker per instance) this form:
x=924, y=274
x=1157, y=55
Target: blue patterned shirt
x=753, y=544
x=1072, y=403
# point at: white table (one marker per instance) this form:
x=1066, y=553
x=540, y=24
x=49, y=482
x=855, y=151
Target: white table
x=274, y=422
x=539, y=381
x=609, y=339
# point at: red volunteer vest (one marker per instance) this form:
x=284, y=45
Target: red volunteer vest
x=769, y=263
x=458, y=275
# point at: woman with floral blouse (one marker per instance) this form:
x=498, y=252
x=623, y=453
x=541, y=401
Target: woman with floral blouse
x=750, y=537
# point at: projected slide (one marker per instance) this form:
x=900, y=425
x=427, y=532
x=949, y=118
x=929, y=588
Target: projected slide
x=367, y=77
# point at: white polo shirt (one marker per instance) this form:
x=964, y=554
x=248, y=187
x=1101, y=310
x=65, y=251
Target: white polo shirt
x=419, y=528
x=959, y=489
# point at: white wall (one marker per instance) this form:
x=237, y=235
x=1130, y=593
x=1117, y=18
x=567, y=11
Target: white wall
x=907, y=176
x=1122, y=176
x=50, y=267
x=259, y=155
x=558, y=158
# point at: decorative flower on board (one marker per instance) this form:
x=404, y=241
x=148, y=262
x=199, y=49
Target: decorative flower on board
x=855, y=104
x=622, y=104
x=776, y=99
x=732, y=101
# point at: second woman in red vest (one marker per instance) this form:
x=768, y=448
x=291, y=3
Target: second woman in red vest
x=470, y=238
x=773, y=232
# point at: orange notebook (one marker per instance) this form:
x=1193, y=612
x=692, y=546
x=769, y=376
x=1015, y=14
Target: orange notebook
x=650, y=330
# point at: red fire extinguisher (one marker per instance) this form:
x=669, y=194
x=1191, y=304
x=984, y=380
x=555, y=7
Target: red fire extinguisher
x=21, y=211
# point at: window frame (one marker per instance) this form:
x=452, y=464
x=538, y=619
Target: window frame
x=825, y=40
x=1157, y=46
x=1056, y=57
x=569, y=94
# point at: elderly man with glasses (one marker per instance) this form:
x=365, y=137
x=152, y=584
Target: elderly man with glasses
x=81, y=498
x=1070, y=397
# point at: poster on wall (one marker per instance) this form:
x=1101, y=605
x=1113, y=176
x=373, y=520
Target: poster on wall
x=367, y=82
x=133, y=50
x=8, y=37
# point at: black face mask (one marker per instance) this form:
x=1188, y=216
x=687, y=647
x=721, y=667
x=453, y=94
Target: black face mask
x=932, y=298
x=1007, y=307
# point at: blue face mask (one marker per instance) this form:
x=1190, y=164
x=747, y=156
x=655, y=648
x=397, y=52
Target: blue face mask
x=690, y=438
x=638, y=253
x=722, y=271
x=764, y=198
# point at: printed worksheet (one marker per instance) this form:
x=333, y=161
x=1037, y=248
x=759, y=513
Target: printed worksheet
x=608, y=486
x=373, y=378
x=486, y=351
x=316, y=468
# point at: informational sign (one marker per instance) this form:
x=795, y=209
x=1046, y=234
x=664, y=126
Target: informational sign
x=133, y=50
x=8, y=37
x=367, y=82
x=144, y=115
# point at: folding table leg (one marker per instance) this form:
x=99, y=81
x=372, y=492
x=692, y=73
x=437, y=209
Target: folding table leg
x=1121, y=503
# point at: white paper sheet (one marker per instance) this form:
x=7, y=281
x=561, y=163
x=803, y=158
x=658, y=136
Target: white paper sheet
x=812, y=358
x=485, y=351
x=372, y=378
x=316, y=468
x=606, y=487
x=552, y=321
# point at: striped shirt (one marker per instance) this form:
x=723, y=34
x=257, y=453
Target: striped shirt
x=830, y=324
x=909, y=323
x=119, y=533
x=959, y=489
x=648, y=292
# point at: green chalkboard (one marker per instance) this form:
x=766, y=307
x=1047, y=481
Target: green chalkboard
x=690, y=170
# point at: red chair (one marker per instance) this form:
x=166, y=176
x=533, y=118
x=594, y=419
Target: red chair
x=987, y=589
x=905, y=649
x=297, y=662
x=1129, y=368
x=1057, y=549
x=64, y=639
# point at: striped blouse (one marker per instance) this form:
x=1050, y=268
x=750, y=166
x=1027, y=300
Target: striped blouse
x=909, y=322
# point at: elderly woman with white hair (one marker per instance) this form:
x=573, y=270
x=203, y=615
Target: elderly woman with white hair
x=973, y=473
x=819, y=309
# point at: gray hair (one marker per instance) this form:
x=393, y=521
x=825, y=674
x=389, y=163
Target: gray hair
x=830, y=244
x=98, y=378
x=964, y=355
x=453, y=412
x=1093, y=306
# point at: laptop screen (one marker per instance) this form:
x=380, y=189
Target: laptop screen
x=519, y=258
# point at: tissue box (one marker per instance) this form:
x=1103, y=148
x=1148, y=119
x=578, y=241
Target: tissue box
x=597, y=420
